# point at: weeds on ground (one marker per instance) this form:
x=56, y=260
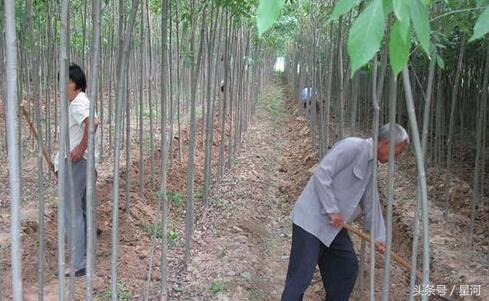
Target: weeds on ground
x=122, y=293
x=149, y=229
x=216, y=287
x=173, y=196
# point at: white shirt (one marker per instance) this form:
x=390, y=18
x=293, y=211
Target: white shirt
x=78, y=111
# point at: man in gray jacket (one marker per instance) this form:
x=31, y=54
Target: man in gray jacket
x=340, y=190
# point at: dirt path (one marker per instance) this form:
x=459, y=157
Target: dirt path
x=241, y=245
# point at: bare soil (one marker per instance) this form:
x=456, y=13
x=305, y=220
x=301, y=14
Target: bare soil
x=135, y=226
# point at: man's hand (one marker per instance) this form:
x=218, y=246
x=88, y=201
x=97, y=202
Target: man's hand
x=380, y=247
x=336, y=220
x=77, y=153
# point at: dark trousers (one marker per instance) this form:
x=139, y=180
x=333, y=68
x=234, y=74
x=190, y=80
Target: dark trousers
x=338, y=265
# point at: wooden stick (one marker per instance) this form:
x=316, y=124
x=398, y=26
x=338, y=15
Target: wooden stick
x=401, y=261
x=36, y=136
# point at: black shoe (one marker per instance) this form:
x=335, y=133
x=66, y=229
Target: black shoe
x=81, y=272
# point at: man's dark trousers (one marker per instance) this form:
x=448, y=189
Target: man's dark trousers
x=338, y=265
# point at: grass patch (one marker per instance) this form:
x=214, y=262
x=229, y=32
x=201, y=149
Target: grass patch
x=173, y=196
x=217, y=286
x=147, y=141
x=271, y=99
x=199, y=195
x=52, y=199
x=122, y=292
x=275, y=101
x=146, y=115
x=150, y=229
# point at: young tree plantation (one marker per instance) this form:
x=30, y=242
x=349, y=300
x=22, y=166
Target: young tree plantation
x=203, y=121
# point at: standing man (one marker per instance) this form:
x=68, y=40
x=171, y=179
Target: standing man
x=340, y=190
x=306, y=95
x=78, y=113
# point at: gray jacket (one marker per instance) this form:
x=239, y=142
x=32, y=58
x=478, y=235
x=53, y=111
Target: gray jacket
x=342, y=182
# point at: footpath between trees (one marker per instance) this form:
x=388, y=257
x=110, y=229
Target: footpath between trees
x=242, y=244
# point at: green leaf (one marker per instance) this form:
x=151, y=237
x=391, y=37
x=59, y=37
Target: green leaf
x=401, y=9
x=388, y=7
x=404, y=30
x=366, y=35
x=481, y=27
x=398, y=48
x=246, y=275
x=421, y=23
x=342, y=7
x=481, y=3
x=267, y=14
x=440, y=62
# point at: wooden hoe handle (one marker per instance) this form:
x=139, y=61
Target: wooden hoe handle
x=34, y=132
x=401, y=261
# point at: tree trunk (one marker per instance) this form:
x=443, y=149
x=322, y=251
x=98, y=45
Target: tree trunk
x=448, y=179
x=115, y=190
x=421, y=179
x=13, y=147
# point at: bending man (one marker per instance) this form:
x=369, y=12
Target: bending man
x=340, y=190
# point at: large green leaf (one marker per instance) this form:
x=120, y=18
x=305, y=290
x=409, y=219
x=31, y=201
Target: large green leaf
x=481, y=27
x=419, y=15
x=342, y=7
x=398, y=48
x=267, y=14
x=388, y=7
x=401, y=9
x=366, y=35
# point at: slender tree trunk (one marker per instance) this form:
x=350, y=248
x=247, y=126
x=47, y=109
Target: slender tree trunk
x=13, y=146
x=224, y=102
x=191, y=153
x=424, y=139
x=341, y=83
x=164, y=156
x=390, y=188
x=448, y=179
x=91, y=176
x=211, y=37
x=421, y=179
x=375, y=135
x=141, y=108
x=63, y=76
x=115, y=190
x=476, y=196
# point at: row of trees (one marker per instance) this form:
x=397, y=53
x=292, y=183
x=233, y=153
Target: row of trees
x=151, y=66
x=364, y=59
